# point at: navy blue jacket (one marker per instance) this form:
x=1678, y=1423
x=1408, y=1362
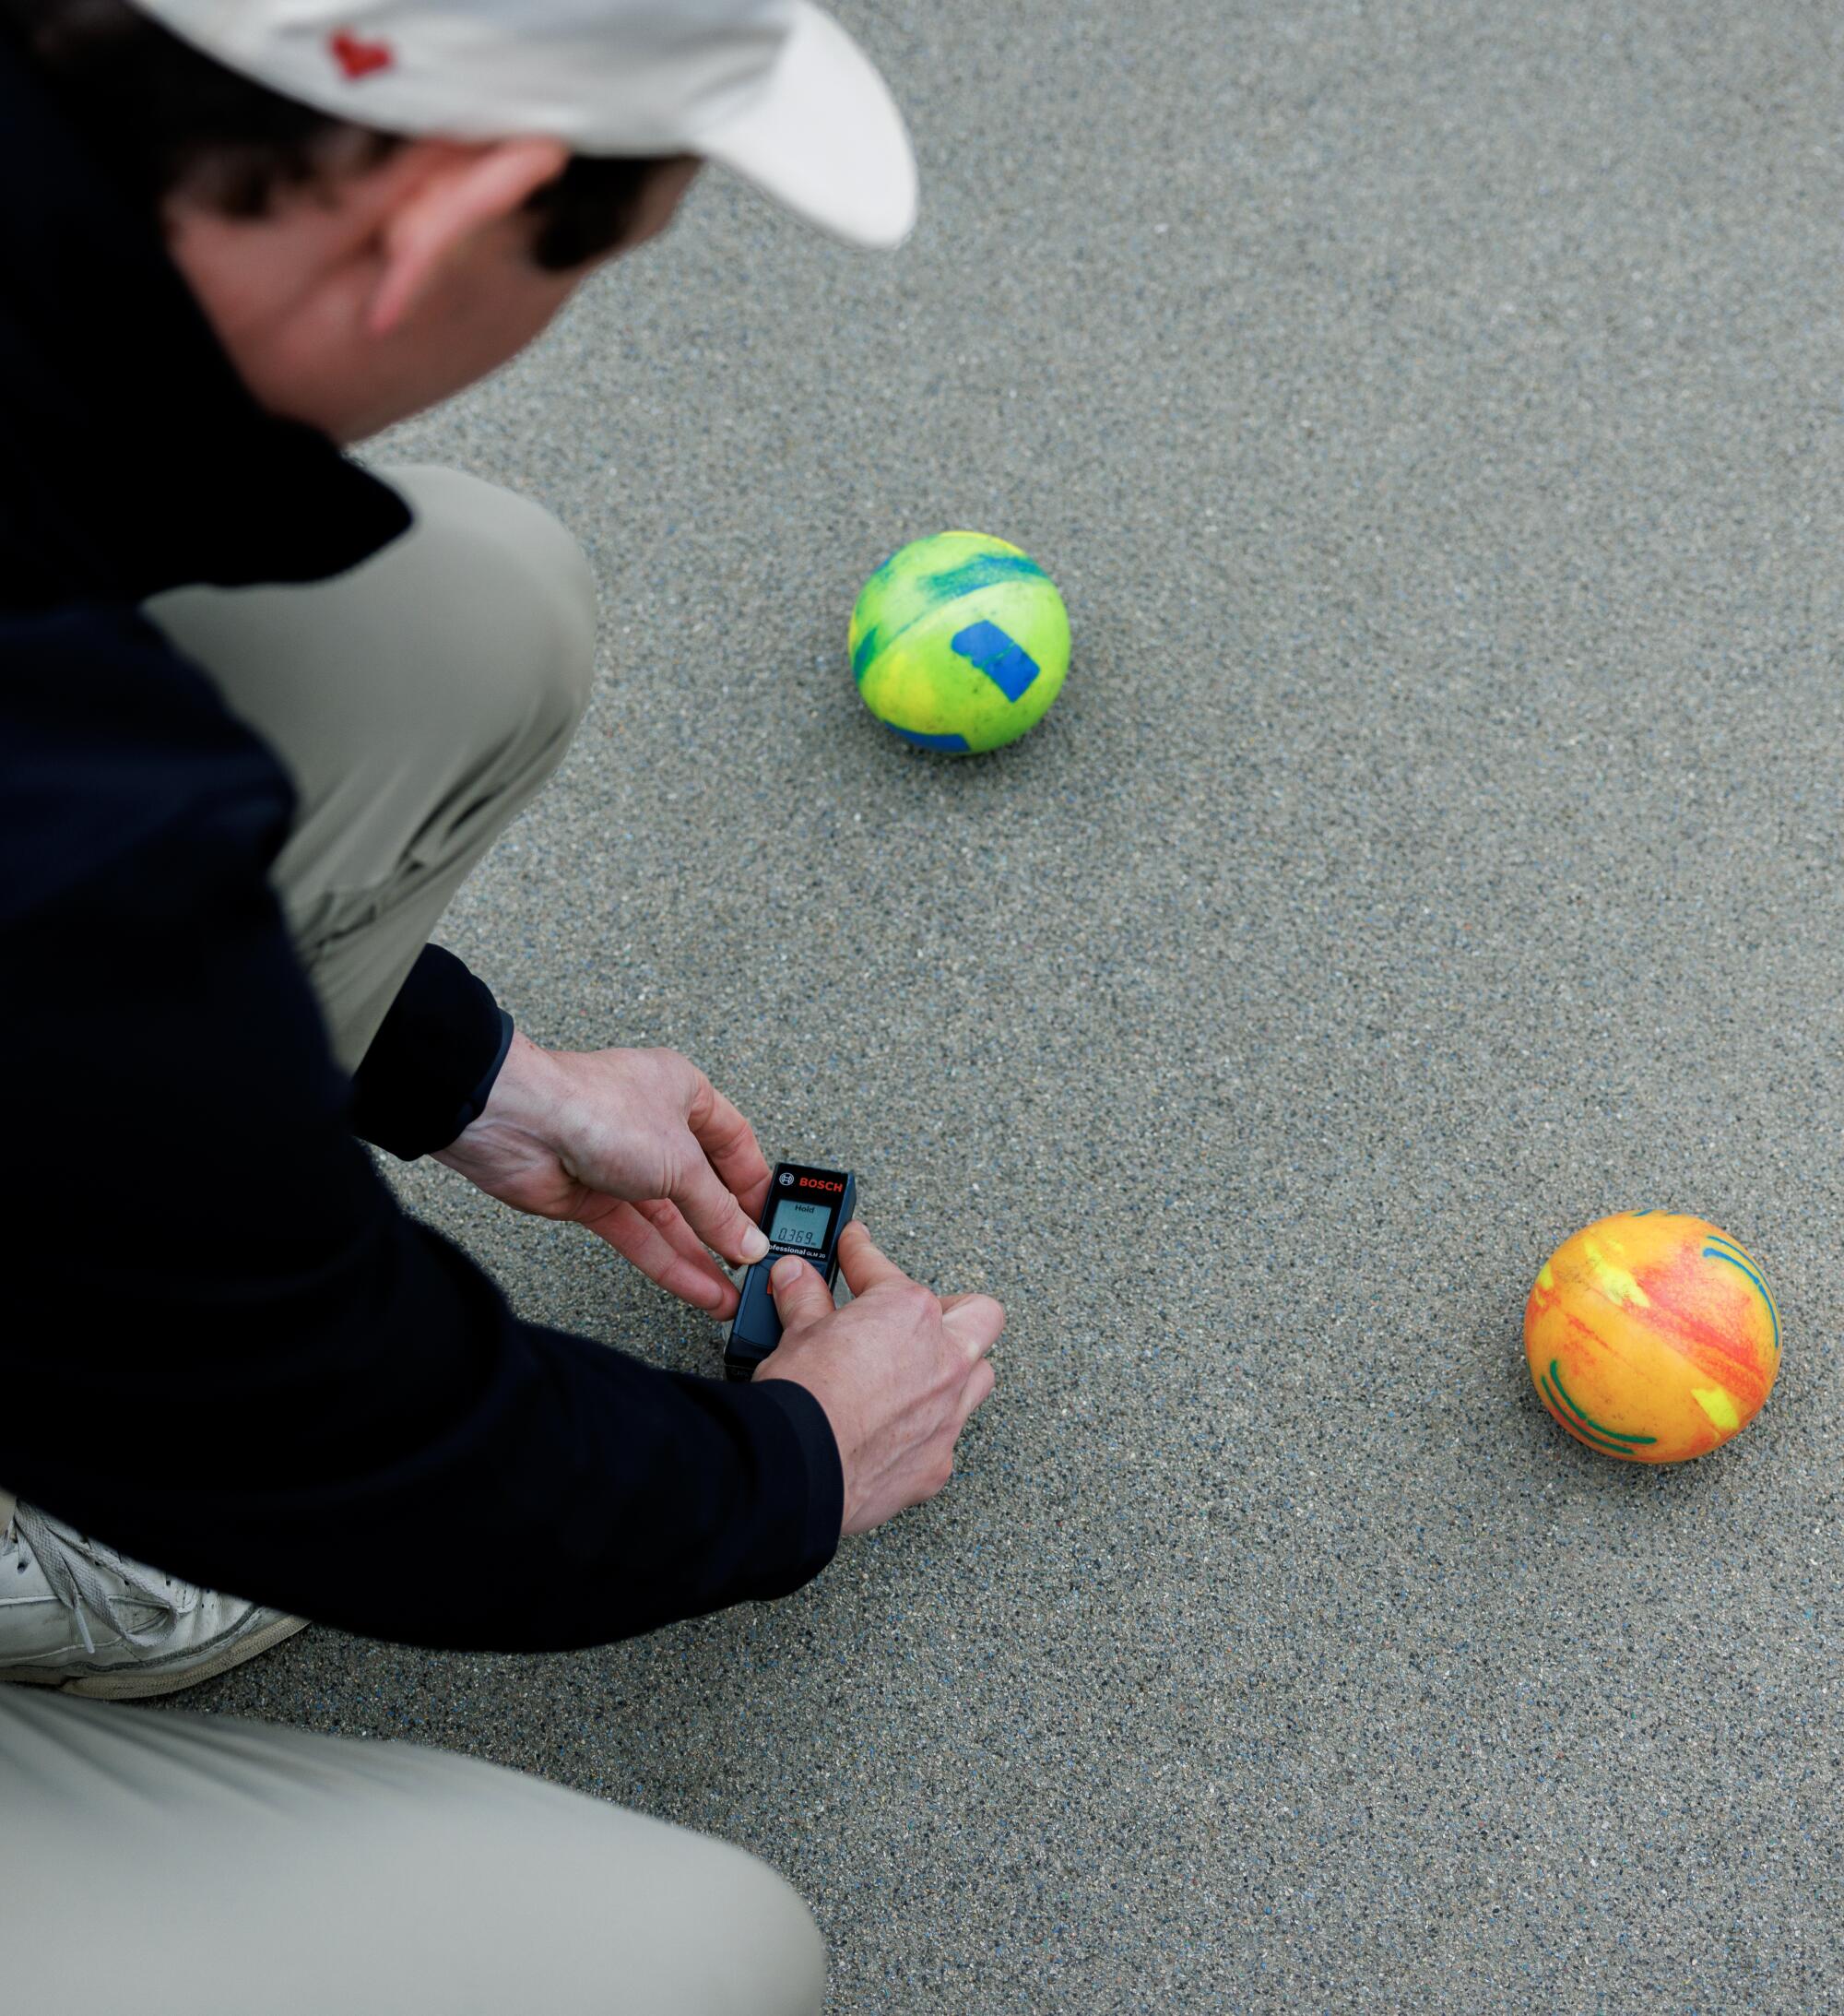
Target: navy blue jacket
x=225, y=1350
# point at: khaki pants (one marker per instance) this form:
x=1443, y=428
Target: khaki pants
x=163, y=1863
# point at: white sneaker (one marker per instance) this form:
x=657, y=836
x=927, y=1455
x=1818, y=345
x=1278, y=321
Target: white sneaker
x=76, y=1616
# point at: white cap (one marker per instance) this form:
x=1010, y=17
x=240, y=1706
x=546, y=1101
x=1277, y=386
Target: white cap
x=775, y=89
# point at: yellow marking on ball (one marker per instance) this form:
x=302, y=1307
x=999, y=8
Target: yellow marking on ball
x=1546, y=1279
x=1719, y=1406
x=1614, y=1281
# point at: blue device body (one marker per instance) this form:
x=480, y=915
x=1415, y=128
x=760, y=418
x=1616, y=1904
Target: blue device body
x=807, y=1210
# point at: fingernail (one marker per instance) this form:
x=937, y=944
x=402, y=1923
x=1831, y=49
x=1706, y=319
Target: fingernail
x=756, y=1244
x=785, y=1273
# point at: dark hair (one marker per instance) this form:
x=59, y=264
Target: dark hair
x=162, y=117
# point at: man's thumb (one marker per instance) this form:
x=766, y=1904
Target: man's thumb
x=801, y=1296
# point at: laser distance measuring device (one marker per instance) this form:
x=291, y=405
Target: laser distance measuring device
x=807, y=1210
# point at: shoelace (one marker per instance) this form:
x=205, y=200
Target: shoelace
x=74, y=1578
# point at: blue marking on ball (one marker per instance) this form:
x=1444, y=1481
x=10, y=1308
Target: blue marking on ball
x=1003, y=660
x=958, y=743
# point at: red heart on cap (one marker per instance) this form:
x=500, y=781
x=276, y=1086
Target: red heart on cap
x=358, y=58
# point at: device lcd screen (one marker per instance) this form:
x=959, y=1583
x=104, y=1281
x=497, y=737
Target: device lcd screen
x=796, y=1224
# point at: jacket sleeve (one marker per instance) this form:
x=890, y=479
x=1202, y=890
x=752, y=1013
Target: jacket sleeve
x=229, y=1352
x=433, y=1060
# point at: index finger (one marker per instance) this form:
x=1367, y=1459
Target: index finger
x=730, y=1147
x=863, y=1266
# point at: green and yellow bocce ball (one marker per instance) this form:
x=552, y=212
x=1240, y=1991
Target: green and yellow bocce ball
x=960, y=642
x=1652, y=1337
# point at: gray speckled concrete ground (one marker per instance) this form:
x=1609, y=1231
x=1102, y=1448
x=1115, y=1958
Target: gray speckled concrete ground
x=1431, y=410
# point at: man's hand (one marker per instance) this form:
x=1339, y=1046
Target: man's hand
x=635, y=1144
x=897, y=1372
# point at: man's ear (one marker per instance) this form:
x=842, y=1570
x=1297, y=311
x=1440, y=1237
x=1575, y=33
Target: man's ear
x=462, y=194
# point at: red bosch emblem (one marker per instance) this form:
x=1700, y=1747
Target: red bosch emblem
x=358, y=58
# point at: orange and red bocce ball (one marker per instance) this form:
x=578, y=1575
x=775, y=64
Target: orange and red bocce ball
x=1652, y=1337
